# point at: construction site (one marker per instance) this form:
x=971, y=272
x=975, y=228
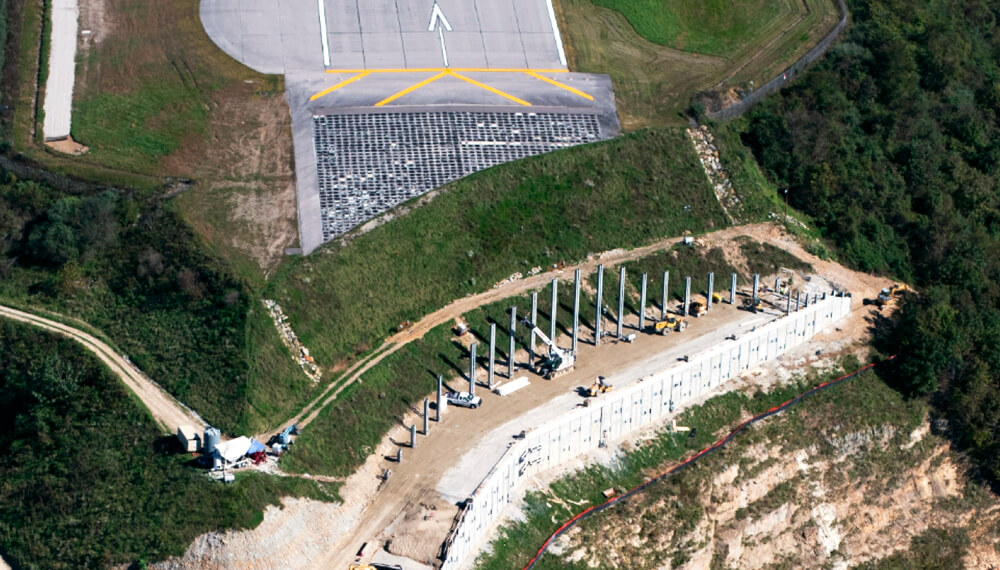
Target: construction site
x=438, y=486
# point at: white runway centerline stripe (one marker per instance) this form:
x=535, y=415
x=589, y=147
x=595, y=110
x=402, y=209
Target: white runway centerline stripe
x=555, y=32
x=444, y=48
x=322, y=32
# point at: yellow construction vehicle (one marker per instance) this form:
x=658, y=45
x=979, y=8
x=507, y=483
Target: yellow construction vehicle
x=697, y=308
x=753, y=305
x=671, y=323
x=599, y=387
x=716, y=298
x=890, y=295
x=375, y=566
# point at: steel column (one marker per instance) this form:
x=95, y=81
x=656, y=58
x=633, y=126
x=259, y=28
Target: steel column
x=576, y=308
x=534, y=322
x=711, y=287
x=756, y=287
x=440, y=398
x=798, y=300
x=427, y=413
x=687, y=295
x=413, y=435
x=663, y=305
x=493, y=354
x=732, y=289
x=642, y=304
x=555, y=309
x=472, y=368
x=599, y=304
x=510, y=354
x=621, y=300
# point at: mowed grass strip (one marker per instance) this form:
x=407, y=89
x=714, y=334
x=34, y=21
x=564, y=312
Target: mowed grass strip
x=712, y=27
x=344, y=300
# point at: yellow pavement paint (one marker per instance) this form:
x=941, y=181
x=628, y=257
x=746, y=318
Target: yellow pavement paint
x=440, y=69
x=411, y=89
x=338, y=86
x=560, y=85
x=490, y=89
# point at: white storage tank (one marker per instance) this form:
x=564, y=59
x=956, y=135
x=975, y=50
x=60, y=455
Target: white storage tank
x=212, y=438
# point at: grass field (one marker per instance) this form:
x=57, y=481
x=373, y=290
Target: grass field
x=558, y=207
x=710, y=27
x=677, y=49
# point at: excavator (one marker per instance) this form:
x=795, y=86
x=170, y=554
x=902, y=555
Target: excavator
x=599, y=387
x=753, y=305
x=890, y=295
x=559, y=362
x=671, y=323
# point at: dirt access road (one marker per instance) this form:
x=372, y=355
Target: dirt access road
x=168, y=412
x=766, y=233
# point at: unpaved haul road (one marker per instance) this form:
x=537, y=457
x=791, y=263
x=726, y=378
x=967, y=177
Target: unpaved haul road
x=167, y=411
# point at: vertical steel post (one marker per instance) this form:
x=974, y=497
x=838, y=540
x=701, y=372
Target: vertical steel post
x=576, y=308
x=413, y=435
x=687, y=295
x=555, y=309
x=732, y=289
x=599, y=304
x=798, y=300
x=399, y=455
x=534, y=322
x=427, y=413
x=777, y=285
x=756, y=287
x=711, y=287
x=510, y=354
x=493, y=354
x=788, y=303
x=440, y=399
x=621, y=301
x=642, y=304
x=663, y=300
x=472, y=368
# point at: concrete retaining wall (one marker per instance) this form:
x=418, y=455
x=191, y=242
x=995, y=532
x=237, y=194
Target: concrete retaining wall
x=622, y=412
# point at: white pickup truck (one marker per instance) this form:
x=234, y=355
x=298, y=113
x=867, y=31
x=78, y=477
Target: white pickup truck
x=464, y=399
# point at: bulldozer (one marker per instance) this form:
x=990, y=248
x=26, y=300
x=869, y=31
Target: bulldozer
x=671, y=323
x=599, y=387
x=890, y=295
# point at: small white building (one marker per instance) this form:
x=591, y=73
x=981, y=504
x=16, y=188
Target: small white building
x=189, y=438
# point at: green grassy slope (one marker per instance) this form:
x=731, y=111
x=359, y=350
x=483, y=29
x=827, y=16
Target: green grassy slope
x=344, y=300
x=86, y=482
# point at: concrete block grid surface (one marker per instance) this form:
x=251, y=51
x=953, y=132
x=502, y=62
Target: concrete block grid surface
x=621, y=413
x=58, y=103
x=367, y=163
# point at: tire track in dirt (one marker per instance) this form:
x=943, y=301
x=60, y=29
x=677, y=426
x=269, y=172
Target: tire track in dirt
x=167, y=411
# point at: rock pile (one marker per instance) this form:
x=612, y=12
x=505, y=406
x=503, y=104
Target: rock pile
x=717, y=177
x=288, y=337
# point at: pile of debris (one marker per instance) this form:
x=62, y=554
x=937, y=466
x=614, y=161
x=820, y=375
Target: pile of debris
x=704, y=144
x=288, y=337
x=515, y=277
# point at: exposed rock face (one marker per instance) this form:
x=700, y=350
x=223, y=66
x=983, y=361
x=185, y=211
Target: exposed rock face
x=849, y=498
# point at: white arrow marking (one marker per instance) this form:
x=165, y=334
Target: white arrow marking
x=444, y=49
x=437, y=17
